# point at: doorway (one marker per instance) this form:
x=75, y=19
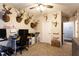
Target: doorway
x=46, y=31
x=68, y=31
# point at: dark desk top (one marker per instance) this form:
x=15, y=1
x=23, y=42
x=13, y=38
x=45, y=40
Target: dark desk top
x=2, y=40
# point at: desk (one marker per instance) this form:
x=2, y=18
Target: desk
x=1, y=39
x=13, y=43
x=5, y=43
x=6, y=51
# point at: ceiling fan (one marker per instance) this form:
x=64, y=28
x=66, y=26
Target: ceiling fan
x=39, y=4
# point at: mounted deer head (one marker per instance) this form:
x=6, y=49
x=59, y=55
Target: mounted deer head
x=28, y=19
x=34, y=24
x=55, y=16
x=19, y=16
x=46, y=17
x=55, y=23
x=5, y=17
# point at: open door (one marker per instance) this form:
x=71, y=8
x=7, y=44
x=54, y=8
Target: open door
x=68, y=31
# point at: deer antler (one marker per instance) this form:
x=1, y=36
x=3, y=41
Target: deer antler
x=4, y=7
x=55, y=15
x=28, y=19
x=19, y=15
x=7, y=11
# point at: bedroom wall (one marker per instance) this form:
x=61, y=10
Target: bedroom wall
x=47, y=27
x=12, y=24
x=57, y=31
x=77, y=25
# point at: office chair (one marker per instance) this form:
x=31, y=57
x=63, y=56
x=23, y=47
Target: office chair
x=22, y=43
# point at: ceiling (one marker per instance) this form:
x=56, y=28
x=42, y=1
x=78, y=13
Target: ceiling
x=66, y=8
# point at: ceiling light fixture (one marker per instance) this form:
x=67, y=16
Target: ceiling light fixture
x=41, y=6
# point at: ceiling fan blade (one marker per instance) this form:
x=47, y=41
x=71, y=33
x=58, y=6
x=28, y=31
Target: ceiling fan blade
x=37, y=5
x=40, y=4
x=49, y=6
x=32, y=7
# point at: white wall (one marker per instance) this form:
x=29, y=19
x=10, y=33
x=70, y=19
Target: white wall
x=12, y=24
x=58, y=29
x=45, y=28
x=77, y=25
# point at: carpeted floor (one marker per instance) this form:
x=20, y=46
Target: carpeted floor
x=43, y=49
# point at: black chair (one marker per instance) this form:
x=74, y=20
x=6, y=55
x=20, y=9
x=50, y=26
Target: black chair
x=22, y=43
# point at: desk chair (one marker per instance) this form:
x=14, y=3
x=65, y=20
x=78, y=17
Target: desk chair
x=22, y=43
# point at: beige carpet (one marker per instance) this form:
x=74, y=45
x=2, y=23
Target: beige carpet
x=43, y=49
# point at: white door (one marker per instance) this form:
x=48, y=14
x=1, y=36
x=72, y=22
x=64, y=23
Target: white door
x=46, y=31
